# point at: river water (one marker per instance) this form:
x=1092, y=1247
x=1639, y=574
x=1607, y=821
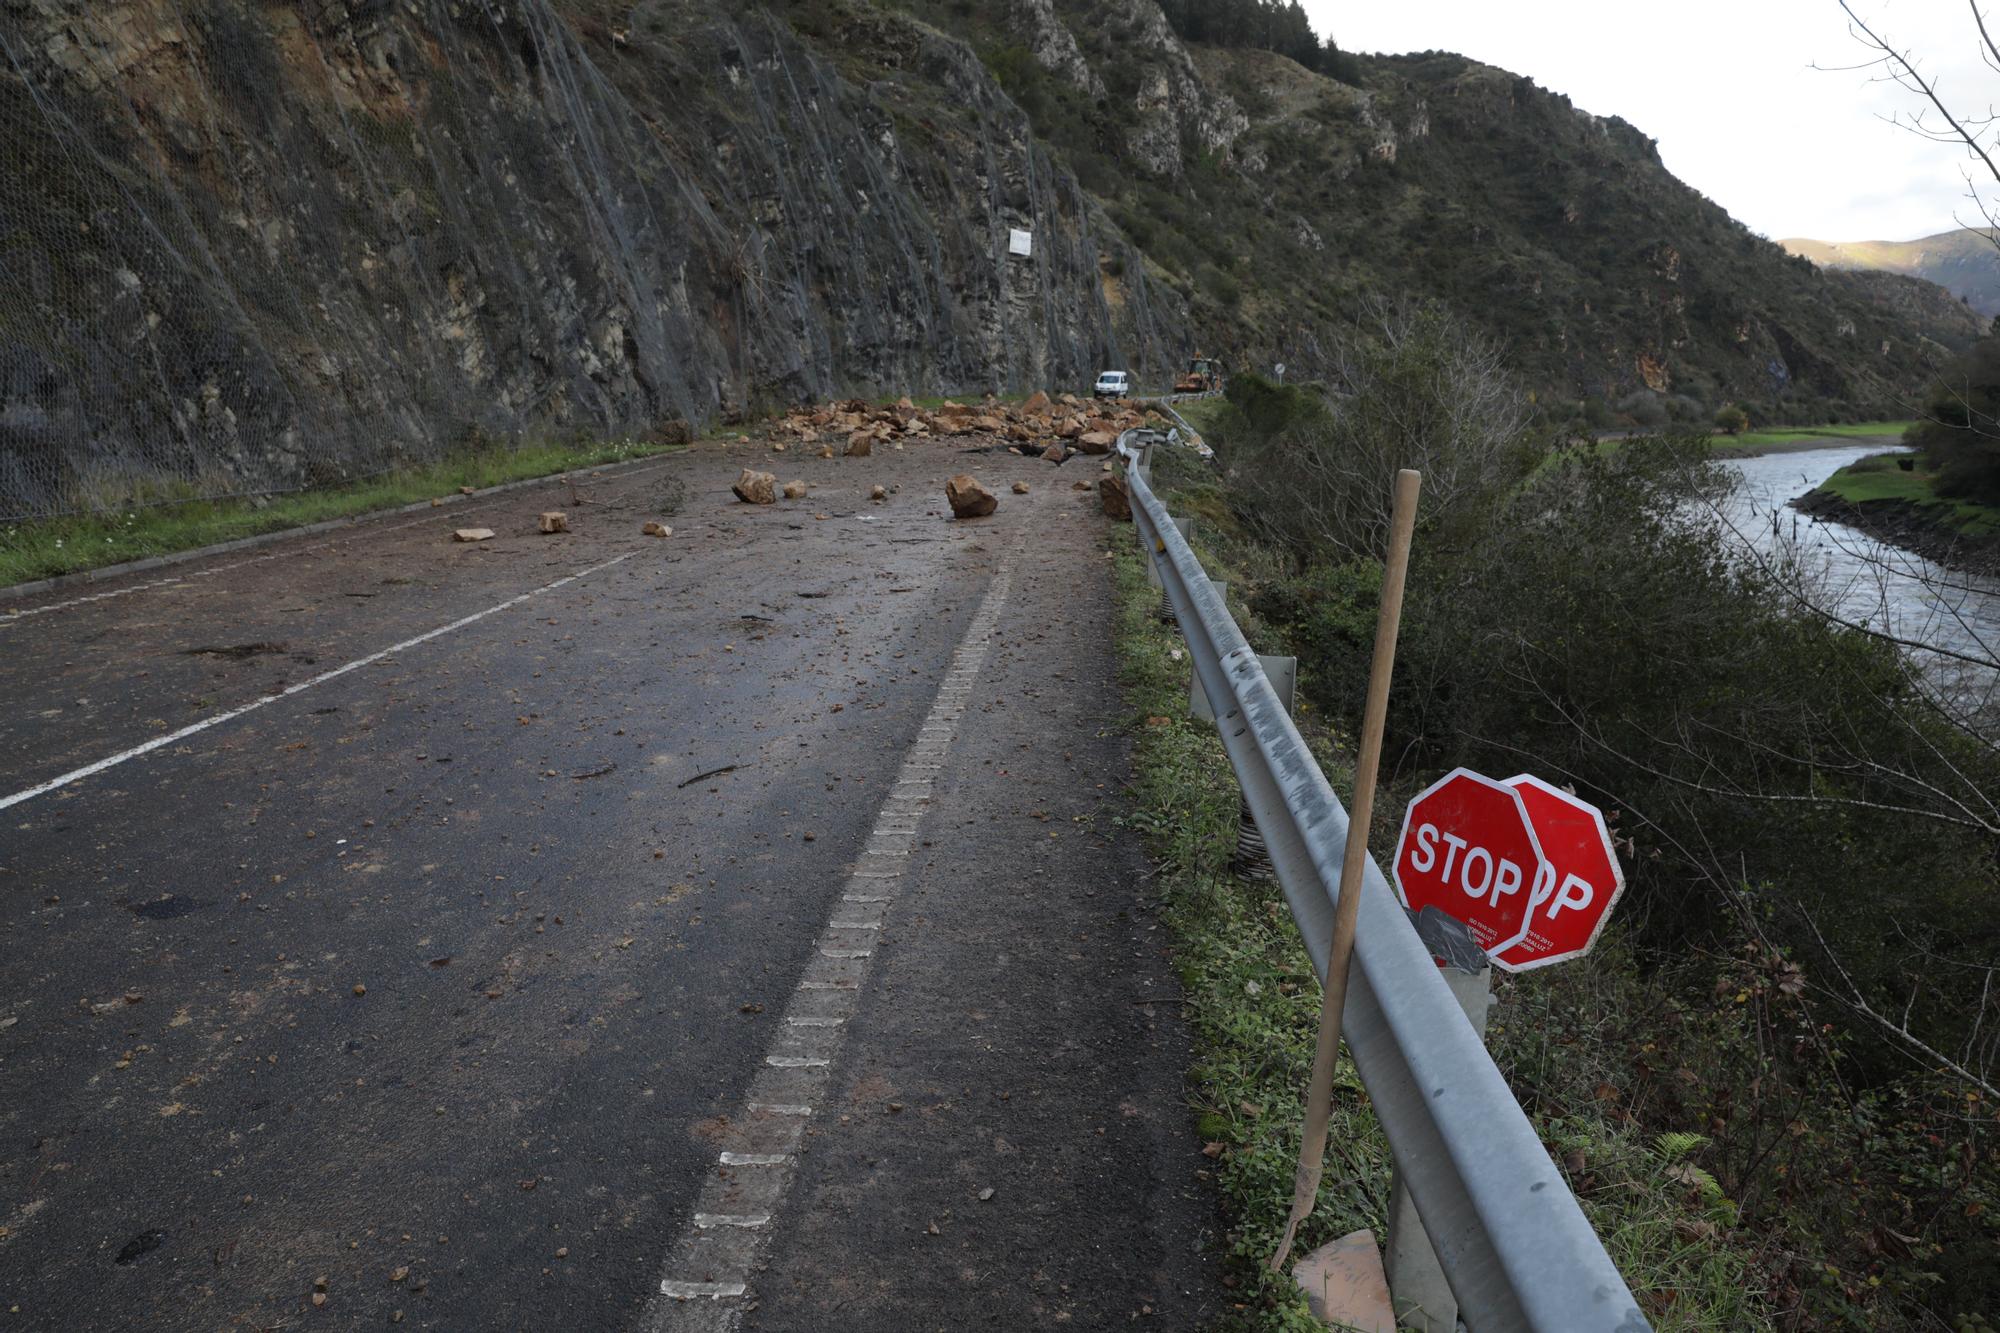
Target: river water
x=1864, y=580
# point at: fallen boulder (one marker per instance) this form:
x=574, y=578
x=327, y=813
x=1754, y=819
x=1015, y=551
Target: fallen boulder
x=655, y=528
x=555, y=520
x=795, y=490
x=1115, y=499
x=1055, y=453
x=1096, y=441
x=879, y=493
x=1037, y=404
x=756, y=488
x=968, y=498
x=1020, y=488
x=861, y=444
x=473, y=535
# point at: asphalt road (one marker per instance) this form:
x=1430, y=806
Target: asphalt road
x=411, y=972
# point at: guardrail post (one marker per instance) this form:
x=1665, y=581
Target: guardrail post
x=1166, y=609
x=1418, y=1292
x=1253, y=858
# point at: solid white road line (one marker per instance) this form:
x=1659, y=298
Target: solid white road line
x=158, y=742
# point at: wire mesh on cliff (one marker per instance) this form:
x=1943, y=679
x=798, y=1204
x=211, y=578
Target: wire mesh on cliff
x=255, y=249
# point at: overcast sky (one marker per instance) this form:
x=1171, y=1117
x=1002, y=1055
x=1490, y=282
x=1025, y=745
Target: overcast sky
x=1729, y=90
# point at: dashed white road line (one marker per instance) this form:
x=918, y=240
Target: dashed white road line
x=706, y=1285
x=158, y=742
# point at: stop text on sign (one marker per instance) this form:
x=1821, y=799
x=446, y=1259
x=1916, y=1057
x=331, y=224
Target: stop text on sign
x=1477, y=870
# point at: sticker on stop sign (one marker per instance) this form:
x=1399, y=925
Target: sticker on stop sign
x=1526, y=867
x=1576, y=888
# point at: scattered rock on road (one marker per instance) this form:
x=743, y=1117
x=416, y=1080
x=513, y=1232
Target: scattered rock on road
x=879, y=493
x=861, y=444
x=1020, y=488
x=473, y=535
x=795, y=490
x=756, y=488
x=1055, y=453
x=1080, y=486
x=1096, y=441
x=655, y=528
x=555, y=520
x=968, y=498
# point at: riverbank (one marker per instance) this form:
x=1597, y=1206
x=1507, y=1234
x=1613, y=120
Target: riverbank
x=1788, y=442
x=1756, y=444
x=1908, y=526
x=1897, y=505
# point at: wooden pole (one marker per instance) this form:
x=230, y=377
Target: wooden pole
x=1333, y=996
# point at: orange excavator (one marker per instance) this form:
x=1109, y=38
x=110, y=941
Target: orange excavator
x=1204, y=375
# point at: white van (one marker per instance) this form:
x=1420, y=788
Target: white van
x=1113, y=384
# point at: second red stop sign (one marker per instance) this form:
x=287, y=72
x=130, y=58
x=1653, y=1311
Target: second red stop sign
x=1579, y=884
x=1469, y=849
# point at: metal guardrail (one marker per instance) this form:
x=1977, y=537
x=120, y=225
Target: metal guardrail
x=1514, y=1245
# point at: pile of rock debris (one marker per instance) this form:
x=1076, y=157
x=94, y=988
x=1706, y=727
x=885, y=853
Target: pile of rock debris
x=1039, y=425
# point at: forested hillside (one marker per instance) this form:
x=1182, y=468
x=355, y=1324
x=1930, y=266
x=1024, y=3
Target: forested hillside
x=1278, y=201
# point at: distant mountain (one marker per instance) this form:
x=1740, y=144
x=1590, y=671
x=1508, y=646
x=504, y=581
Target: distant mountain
x=1964, y=261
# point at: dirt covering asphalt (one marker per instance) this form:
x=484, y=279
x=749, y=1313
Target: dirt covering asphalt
x=418, y=991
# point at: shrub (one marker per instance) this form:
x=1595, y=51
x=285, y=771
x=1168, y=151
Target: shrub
x=1732, y=419
x=1960, y=433
x=1644, y=407
x=1421, y=391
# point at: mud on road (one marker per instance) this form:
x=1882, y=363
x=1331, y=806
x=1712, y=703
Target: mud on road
x=422, y=967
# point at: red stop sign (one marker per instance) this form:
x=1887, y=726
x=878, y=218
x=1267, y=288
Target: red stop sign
x=1469, y=849
x=1577, y=886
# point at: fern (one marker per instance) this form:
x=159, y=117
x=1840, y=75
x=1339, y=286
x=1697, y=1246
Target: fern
x=1676, y=1144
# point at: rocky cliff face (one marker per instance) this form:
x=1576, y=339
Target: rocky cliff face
x=252, y=248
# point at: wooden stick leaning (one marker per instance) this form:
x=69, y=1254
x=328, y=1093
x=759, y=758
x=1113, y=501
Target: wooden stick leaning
x=1333, y=999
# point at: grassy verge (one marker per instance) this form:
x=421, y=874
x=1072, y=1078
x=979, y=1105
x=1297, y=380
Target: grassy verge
x=40, y=549
x=1879, y=479
x=1253, y=1001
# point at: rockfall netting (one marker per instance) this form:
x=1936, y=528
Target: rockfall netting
x=248, y=249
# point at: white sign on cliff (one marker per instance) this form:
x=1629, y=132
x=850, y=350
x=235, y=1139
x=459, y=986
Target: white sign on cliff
x=1020, y=243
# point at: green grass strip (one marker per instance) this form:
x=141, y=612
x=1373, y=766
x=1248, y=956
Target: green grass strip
x=1252, y=996
x=1879, y=478
x=41, y=549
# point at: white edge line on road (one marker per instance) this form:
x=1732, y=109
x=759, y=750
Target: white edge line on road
x=78, y=774
x=802, y=1077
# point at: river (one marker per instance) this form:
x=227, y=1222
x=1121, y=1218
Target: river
x=1862, y=579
